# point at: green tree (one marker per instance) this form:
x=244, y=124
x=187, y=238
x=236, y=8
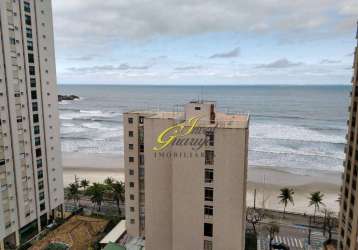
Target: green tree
x=109, y=181
x=73, y=192
x=96, y=193
x=117, y=193
x=84, y=184
x=273, y=229
x=316, y=200
x=285, y=197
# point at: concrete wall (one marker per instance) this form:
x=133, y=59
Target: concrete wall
x=158, y=189
x=230, y=188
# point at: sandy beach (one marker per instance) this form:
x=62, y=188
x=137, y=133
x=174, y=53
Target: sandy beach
x=267, y=181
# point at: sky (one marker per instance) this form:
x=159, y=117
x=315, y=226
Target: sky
x=205, y=42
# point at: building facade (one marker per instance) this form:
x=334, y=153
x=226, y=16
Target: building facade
x=31, y=182
x=348, y=216
x=186, y=178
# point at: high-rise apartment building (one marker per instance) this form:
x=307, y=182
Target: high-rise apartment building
x=348, y=216
x=31, y=182
x=186, y=178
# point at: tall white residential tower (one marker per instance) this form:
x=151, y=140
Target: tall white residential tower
x=31, y=182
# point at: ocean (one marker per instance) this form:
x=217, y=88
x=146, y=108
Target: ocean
x=293, y=128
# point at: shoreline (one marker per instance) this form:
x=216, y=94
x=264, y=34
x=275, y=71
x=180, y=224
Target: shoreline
x=266, y=180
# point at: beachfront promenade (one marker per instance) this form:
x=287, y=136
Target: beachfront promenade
x=294, y=227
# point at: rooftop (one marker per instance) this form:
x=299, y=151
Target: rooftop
x=222, y=120
x=115, y=233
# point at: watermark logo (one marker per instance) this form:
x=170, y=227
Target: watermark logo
x=173, y=133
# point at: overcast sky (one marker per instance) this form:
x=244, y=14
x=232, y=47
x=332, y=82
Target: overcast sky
x=205, y=41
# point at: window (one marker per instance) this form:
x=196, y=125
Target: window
x=30, y=45
x=34, y=95
x=131, y=172
x=12, y=41
x=38, y=152
x=141, y=148
x=132, y=209
x=209, y=194
x=41, y=185
x=28, y=33
x=37, y=141
x=33, y=82
x=19, y=119
x=197, y=108
x=208, y=245
x=28, y=19
x=36, y=130
x=131, y=146
x=31, y=58
x=130, y=120
x=39, y=163
x=141, y=172
x=36, y=118
x=32, y=70
x=2, y=162
x=131, y=159
x=42, y=206
x=130, y=133
x=209, y=157
x=35, y=107
x=40, y=174
x=210, y=137
x=42, y=196
x=208, y=229
x=141, y=119
x=131, y=197
x=208, y=211
x=141, y=159
x=209, y=175
x=132, y=221
x=27, y=7
x=17, y=94
x=131, y=184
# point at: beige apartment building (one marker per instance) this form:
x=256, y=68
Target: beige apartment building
x=186, y=178
x=31, y=182
x=348, y=217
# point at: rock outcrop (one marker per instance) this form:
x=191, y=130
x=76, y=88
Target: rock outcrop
x=67, y=97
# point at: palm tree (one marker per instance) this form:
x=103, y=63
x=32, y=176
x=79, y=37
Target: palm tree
x=96, y=192
x=84, y=184
x=73, y=193
x=272, y=228
x=117, y=193
x=109, y=181
x=285, y=197
x=316, y=200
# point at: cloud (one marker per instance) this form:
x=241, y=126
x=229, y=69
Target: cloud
x=279, y=64
x=188, y=68
x=138, y=20
x=328, y=61
x=106, y=68
x=82, y=58
x=350, y=54
x=230, y=54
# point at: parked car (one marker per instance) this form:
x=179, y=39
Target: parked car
x=280, y=246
